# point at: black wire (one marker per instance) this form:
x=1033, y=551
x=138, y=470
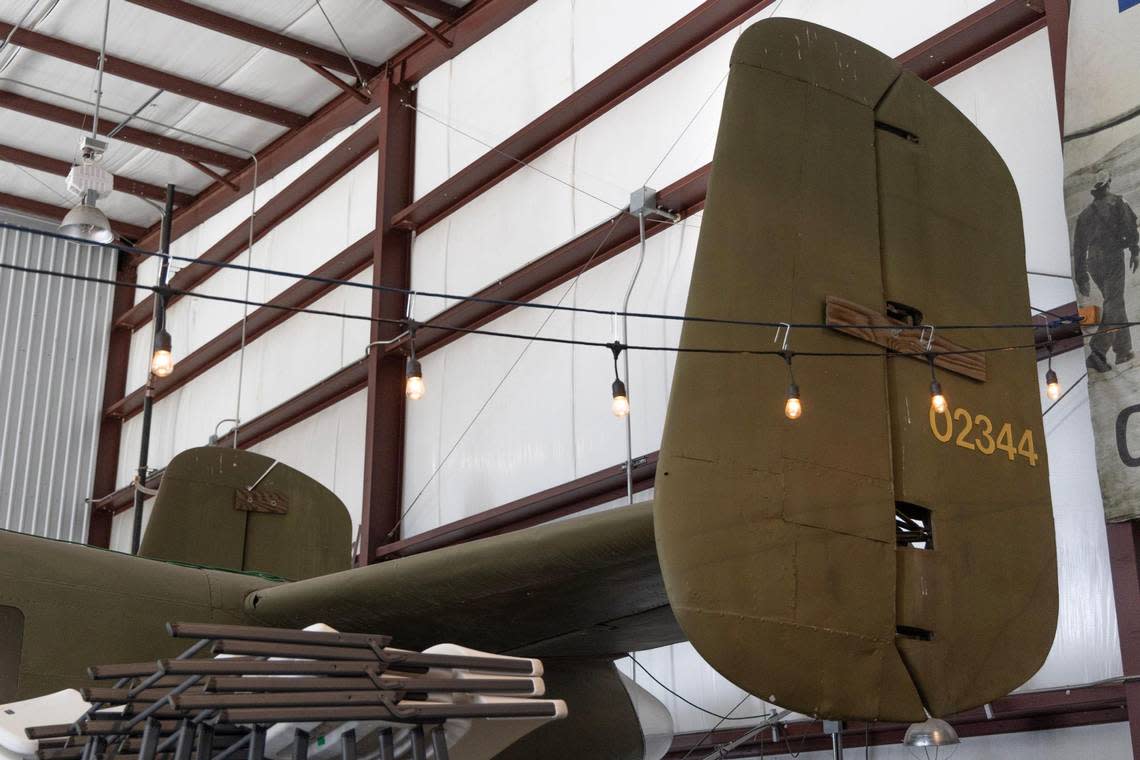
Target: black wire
x=712, y=730
x=691, y=704
x=788, y=744
x=530, y=304
x=544, y=339
x=1066, y=393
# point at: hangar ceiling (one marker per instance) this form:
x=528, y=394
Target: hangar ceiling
x=190, y=90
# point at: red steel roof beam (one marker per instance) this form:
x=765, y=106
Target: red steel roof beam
x=434, y=8
x=418, y=22
x=137, y=72
x=280, y=207
x=256, y=35
x=480, y=18
x=61, y=168
x=142, y=138
x=973, y=39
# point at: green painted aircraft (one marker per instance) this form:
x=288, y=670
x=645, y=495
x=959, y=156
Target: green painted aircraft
x=843, y=188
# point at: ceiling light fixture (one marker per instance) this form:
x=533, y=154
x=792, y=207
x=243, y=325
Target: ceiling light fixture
x=87, y=179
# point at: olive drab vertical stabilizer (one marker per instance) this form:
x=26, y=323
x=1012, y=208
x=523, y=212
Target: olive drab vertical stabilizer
x=846, y=189
x=234, y=509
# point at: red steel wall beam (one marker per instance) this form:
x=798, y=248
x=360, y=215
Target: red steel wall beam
x=695, y=31
x=136, y=72
x=1124, y=557
x=1040, y=711
x=391, y=266
x=60, y=168
x=319, y=177
x=559, y=501
x=110, y=430
x=973, y=39
x=479, y=18
x=142, y=138
x=256, y=35
x=1057, y=21
x=56, y=213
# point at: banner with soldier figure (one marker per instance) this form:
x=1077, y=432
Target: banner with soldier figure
x=1102, y=195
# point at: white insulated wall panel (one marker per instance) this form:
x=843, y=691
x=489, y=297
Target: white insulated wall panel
x=298, y=353
x=123, y=525
x=549, y=419
x=519, y=71
x=1087, y=646
x=526, y=215
x=199, y=239
x=343, y=214
x=1010, y=97
x=456, y=255
x=328, y=447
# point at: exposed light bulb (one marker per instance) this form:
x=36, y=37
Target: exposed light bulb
x=162, y=360
x=793, y=407
x=937, y=400
x=414, y=387
x=1052, y=385
x=620, y=404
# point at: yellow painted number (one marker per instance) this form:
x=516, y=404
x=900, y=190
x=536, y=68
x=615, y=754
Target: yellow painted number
x=934, y=417
x=1025, y=448
x=1005, y=441
x=975, y=432
x=985, y=443
x=962, y=415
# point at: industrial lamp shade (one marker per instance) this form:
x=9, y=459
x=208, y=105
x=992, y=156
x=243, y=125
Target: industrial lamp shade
x=86, y=221
x=932, y=732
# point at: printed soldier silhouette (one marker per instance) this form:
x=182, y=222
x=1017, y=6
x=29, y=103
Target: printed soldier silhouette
x=1104, y=230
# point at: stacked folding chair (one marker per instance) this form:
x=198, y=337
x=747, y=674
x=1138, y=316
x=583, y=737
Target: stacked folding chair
x=303, y=695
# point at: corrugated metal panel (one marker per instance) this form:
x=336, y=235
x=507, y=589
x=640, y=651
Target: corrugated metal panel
x=53, y=352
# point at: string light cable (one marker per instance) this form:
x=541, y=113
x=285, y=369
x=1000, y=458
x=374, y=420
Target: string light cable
x=609, y=313
x=564, y=341
x=889, y=353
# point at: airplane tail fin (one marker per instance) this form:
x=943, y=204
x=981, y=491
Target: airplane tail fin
x=243, y=511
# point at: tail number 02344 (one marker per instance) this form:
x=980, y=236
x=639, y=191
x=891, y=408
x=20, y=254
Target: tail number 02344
x=977, y=432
